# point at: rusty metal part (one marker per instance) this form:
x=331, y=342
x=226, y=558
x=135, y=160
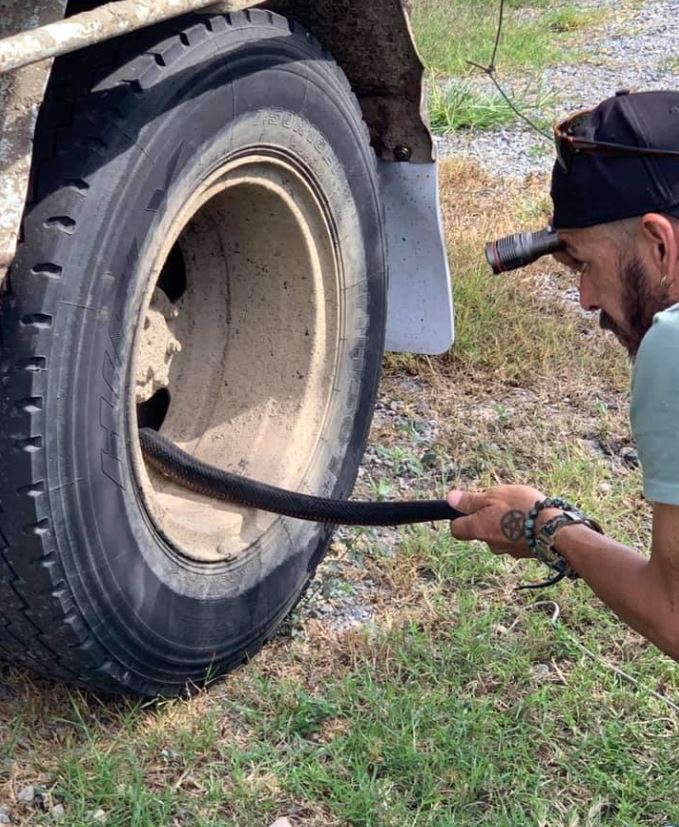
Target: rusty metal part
x=21, y=93
x=91, y=27
x=373, y=44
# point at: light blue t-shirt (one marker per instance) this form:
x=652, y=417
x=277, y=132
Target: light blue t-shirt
x=654, y=409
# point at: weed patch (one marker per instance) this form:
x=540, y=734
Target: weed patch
x=463, y=105
x=451, y=32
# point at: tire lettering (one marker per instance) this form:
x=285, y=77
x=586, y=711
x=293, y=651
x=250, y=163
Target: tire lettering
x=110, y=374
x=110, y=454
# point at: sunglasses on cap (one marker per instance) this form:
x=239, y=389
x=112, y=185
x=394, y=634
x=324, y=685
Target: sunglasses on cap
x=568, y=145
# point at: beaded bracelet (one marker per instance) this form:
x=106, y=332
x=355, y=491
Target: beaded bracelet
x=529, y=523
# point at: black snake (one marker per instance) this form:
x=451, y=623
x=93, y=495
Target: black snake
x=197, y=476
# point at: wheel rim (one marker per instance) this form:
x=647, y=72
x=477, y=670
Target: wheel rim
x=236, y=353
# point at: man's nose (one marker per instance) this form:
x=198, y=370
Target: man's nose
x=588, y=298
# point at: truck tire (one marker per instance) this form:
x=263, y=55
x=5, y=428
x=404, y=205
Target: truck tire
x=203, y=253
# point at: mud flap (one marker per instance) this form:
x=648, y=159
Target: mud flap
x=420, y=311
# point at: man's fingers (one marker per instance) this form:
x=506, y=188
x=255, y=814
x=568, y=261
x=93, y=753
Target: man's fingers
x=465, y=528
x=467, y=501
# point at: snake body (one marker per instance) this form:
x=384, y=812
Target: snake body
x=187, y=471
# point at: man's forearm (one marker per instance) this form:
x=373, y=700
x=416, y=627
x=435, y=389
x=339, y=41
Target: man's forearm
x=627, y=582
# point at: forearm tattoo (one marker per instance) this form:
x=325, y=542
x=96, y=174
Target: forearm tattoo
x=512, y=525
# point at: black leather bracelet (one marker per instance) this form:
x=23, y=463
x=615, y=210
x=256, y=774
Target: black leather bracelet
x=541, y=543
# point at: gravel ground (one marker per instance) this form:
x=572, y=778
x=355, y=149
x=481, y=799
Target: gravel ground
x=401, y=462
x=408, y=458
x=633, y=52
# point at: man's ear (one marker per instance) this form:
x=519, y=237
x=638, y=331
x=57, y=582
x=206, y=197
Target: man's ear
x=660, y=242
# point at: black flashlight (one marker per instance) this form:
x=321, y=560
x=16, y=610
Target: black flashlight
x=518, y=250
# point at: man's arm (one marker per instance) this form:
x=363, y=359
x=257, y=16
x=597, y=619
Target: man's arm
x=644, y=592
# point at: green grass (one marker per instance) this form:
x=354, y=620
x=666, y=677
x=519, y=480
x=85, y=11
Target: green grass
x=571, y=19
x=462, y=702
x=669, y=64
x=508, y=329
x=460, y=105
x=451, y=32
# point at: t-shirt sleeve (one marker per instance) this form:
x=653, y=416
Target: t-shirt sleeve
x=654, y=409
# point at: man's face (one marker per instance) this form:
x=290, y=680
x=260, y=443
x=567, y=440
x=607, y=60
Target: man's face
x=615, y=280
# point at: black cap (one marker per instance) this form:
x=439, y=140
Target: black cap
x=600, y=188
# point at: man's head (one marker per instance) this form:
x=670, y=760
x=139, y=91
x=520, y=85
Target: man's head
x=615, y=204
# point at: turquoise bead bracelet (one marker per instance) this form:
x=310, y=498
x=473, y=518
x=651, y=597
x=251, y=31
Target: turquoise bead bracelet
x=529, y=522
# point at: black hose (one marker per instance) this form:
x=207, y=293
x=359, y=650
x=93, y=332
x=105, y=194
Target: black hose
x=185, y=470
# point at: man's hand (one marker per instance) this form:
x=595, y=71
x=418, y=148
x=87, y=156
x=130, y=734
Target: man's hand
x=496, y=516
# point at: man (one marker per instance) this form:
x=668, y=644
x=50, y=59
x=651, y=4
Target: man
x=615, y=189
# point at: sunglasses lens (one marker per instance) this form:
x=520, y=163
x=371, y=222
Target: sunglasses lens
x=563, y=137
